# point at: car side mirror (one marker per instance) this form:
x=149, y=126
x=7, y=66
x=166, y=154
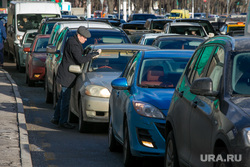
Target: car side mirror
x=203, y=87
x=75, y=69
x=210, y=35
x=120, y=84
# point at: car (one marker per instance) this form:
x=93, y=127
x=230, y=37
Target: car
x=89, y=99
x=203, y=22
x=209, y=112
x=189, y=42
x=186, y=28
x=232, y=26
x=147, y=39
x=139, y=102
x=26, y=41
x=55, y=53
x=35, y=60
x=47, y=24
x=199, y=15
x=140, y=16
x=156, y=25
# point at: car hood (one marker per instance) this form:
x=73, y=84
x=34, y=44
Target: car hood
x=103, y=78
x=40, y=56
x=157, y=97
x=243, y=103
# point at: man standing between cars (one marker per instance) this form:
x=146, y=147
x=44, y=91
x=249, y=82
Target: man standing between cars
x=2, y=38
x=72, y=55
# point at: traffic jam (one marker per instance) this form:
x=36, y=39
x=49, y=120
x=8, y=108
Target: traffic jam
x=173, y=86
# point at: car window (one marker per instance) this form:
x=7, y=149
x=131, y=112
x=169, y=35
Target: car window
x=190, y=44
x=60, y=39
x=192, y=64
x=200, y=67
x=216, y=66
x=41, y=45
x=124, y=74
x=131, y=71
x=241, y=74
x=164, y=72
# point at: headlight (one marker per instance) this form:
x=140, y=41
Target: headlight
x=19, y=37
x=98, y=91
x=147, y=110
x=246, y=133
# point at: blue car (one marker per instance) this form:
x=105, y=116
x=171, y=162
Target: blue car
x=139, y=102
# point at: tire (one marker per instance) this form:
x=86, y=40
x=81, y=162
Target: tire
x=223, y=152
x=113, y=145
x=171, y=158
x=128, y=158
x=83, y=126
x=48, y=95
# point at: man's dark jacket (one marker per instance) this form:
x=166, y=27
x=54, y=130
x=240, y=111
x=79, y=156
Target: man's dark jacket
x=72, y=55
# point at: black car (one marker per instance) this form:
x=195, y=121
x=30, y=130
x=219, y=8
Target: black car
x=208, y=122
x=141, y=16
x=205, y=23
x=188, y=42
x=156, y=25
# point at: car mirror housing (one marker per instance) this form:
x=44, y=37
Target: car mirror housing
x=75, y=69
x=203, y=87
x=120, y=84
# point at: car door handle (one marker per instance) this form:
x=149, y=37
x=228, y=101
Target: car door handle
x=194, y=104
x=181, y=93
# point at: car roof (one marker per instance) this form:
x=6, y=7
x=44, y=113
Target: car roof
x=87, y=24
x=180, y=37
x=124, y=47
x=168, y=53
x=238, y=43
x=184, y=24
x=31, y=31
x=154, y=35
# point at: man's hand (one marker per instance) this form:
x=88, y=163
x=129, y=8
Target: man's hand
x=98, y=52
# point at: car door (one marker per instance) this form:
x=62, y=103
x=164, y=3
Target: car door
x=181, y=110
x=203, y=121
x=120, y=98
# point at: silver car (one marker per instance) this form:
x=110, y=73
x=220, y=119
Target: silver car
x=27, y=40
x=89, y=99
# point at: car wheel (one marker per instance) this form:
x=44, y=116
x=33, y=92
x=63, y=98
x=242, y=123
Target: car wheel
x=49, y=95
x=223, y=152
x=128, y=158
x=170, y=159
x=83, y=125
x=17, y=63
x=113, y=145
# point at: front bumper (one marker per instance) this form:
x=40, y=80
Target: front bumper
x=96, y=109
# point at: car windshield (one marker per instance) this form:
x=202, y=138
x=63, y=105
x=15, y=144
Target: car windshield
x=29, y=38
x=111, y=60
x=174, y=14
x=31, y=21
x=241, y=74
x=236, y=28
x=41, y=45
x=190, y=44
x=161, y=73
x=159, y=24
x=187, y=30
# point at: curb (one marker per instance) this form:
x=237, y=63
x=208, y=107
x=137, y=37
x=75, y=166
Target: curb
x=22, y=128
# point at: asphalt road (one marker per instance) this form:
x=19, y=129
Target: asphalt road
x=52, y=146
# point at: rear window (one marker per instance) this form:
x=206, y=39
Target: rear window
x=41, y=45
